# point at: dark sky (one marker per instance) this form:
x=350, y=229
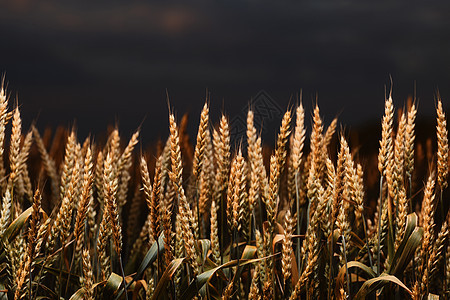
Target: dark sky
x=98, y=62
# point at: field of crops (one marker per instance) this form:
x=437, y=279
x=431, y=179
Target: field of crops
x=306, y=218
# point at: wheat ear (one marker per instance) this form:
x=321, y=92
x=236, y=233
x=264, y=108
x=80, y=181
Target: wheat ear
x=200, y=147
x=28, y=259
x=84, y=200
x=385, y=155
x=252, y=160
x=3, y=121
x=48, y=162
x=14, y=152
x=215, y=246
x=283, y=137
x=24, y=179
x=439, y=249
x=185, y=212
x=206, y=175
x=167, y=207
x=123, y=169
x=317, y=143
x=5, y=217
x=428, y=233
x=328, y=136
x=295, y=158
x=87, y=276
x=409, y=141
x=286, y=261
x=310, y=265
x=221, y=142
x=232, y=194
x=102, y=243
x=442, y=150
x=110, y=187
x=69, y=162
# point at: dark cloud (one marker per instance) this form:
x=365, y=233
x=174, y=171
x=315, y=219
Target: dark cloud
x=99, y=61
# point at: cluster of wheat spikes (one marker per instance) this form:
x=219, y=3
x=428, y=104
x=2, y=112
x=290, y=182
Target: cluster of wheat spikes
x=222, y=223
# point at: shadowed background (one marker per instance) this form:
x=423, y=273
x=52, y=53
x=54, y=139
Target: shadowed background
x=106, y=62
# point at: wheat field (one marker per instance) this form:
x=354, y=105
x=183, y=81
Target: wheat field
x=103, y=220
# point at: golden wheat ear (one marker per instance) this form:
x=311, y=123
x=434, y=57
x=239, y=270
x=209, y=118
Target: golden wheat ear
x=155, y=199
x=14, y=151
x=385, y=155
x=206, y=179
x=85, y=198
x=410, y=137
x=124, y=165
x=442, y=149
x=110, y=188
x=200, y=147
x=186, y=216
